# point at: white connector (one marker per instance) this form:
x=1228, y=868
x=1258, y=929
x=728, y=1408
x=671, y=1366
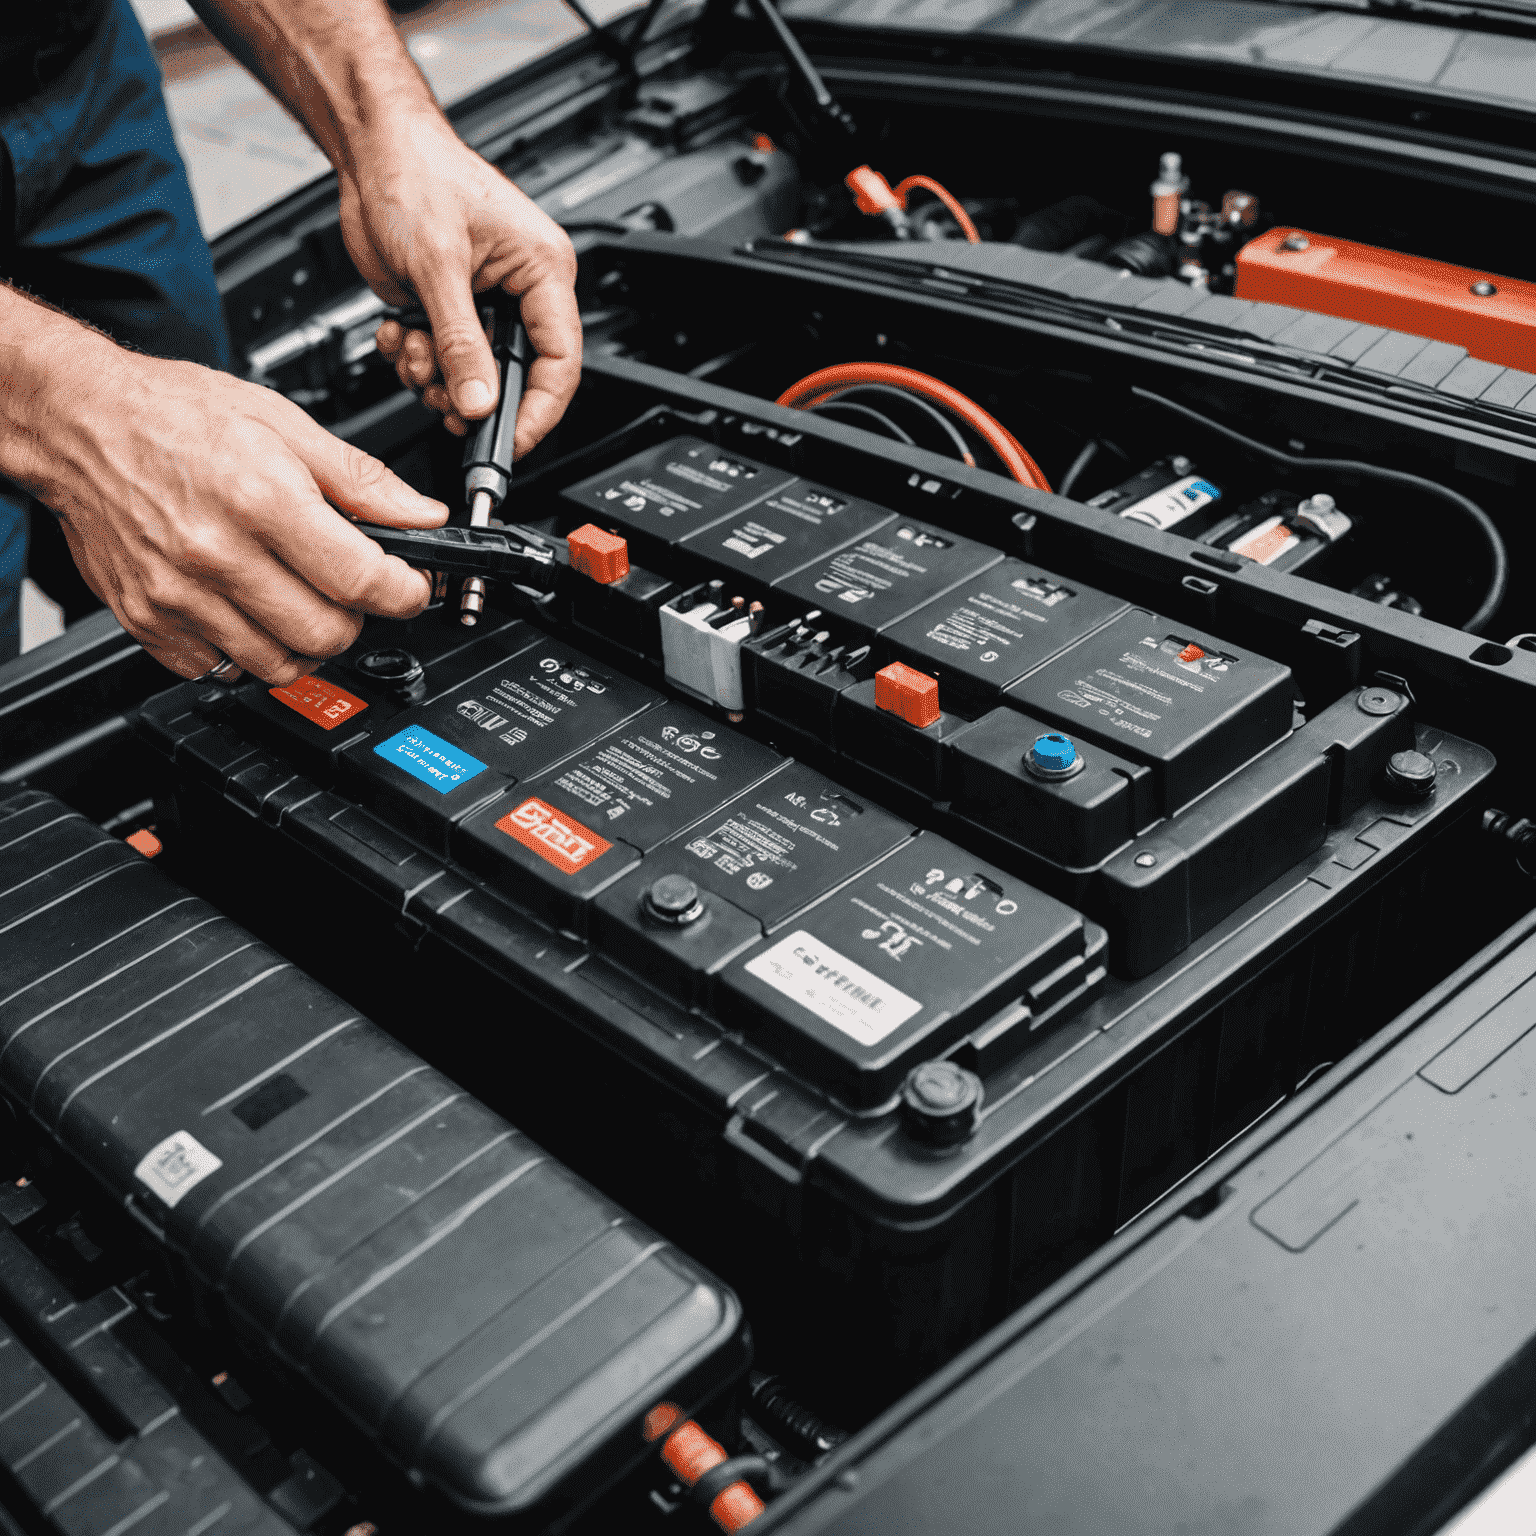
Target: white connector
x=701, y=648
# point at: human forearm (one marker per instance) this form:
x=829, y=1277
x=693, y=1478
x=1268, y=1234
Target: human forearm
x=338, y=65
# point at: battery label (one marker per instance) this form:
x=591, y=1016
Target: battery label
x=557, y=839
x=1267, y=542
x=437, y=763
x=1172, y=504
x=322, y=702
x=176, y=1166
x=839, y=991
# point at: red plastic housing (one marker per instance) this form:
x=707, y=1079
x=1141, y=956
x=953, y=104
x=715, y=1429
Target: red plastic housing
x=1401, y=293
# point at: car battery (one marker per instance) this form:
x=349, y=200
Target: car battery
x=428, y=766
x=1168, y=494
x=1284, y=531
x=797, y=524
x=1190, y=707
x=657, y=498
x=991, y=630
x=712, y=891
x=885, y=576
x=583, y=824
x=894, y=968
x=312, y=720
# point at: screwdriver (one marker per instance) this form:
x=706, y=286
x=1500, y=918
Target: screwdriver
x=488, y=448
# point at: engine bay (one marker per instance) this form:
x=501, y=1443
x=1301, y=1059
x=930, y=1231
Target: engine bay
x=1011, y=669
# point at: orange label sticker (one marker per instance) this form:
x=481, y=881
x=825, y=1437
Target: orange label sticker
x=324, y=703
x=555, y=838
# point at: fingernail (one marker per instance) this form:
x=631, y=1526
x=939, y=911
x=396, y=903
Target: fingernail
x=474, y=396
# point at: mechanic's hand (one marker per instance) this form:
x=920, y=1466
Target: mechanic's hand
x=424, y=217
x=196, y=508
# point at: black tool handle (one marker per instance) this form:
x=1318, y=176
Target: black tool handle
x=471, y=552
x=489, y=444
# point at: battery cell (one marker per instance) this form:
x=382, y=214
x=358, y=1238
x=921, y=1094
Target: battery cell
x=799, y=523
x=1190, y=707
x=664, y=494
x=312, y=720
x=768, y=854
x=571, y=832
x=431, y=764
x=896, y=967
x=992, y=629
x=885, y=576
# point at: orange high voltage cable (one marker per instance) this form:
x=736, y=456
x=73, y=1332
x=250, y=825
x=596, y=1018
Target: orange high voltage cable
x=817, y=388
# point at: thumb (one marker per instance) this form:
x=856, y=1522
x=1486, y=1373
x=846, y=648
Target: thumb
x=357, y=483
x=463, y=354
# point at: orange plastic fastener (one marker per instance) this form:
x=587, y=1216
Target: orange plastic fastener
x=599, y=554
x=1191, y=652
x=144, y=841
x=908, y=694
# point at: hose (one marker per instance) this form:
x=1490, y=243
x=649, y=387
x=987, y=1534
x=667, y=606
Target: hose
x=813, y=388
x=1498, y=557
x=944, y=424
x=950, y=201
x=1088, y=453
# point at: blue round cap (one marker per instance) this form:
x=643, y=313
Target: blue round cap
x=1054, y=753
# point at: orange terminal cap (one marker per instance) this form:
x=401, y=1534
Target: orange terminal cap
x=599, y=554
x=144, y=841
x=908, y=694
x=872, y=193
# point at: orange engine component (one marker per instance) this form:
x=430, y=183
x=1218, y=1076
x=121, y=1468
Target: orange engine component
x=1493, y=317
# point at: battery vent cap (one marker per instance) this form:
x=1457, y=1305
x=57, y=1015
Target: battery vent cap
x=908, y=694
x=1053, y=756
x=598, y=554
x=940, y=1101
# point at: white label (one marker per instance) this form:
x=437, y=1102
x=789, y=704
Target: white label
x=177, y=1164
x=1174, y=503
x=837, y=990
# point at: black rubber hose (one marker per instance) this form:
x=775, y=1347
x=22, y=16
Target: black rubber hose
x=962, y=448
x=1498, y=556
x=882, y=421
x=1090, y=451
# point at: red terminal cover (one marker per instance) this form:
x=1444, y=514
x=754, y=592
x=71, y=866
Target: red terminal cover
x=599, y=554
x=144, y=841
x=1493, y=317
x=908, y=694
x=872, y=193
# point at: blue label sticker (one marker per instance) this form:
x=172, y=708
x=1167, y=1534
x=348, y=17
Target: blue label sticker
x=435, y=762
x=1202, y=491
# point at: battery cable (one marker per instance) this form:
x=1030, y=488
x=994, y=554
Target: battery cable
x=819, y=387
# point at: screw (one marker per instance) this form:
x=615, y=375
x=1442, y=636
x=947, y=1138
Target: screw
x=1295, y=243
x=1379, y=701
x=1145, y=860
x=1483, y=288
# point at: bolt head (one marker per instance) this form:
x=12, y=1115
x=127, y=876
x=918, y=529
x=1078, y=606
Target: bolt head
x=1145, y=860
x=675, y=900
x=1295, y=243
x=1483, y=288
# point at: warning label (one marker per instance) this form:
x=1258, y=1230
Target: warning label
x=839, y=991
x=322, y=702
x=557, y=839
